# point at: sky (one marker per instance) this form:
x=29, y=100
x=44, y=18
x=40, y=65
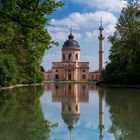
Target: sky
x=84, y=18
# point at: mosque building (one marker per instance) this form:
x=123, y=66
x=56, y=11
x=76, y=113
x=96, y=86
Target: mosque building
x=71, y=68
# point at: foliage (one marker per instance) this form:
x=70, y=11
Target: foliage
x=21, y=116
x=124, y=65
x=8, y=70
x=24, y=34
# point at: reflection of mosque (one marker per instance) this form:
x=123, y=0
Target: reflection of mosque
x=70, y=96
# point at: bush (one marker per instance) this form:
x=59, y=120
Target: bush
x=8, y=70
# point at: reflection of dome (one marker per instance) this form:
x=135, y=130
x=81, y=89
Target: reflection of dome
x=70, y=120
x=70, y=42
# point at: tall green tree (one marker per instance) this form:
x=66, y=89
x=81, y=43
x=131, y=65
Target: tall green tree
x=24, y=34
x=124, y=64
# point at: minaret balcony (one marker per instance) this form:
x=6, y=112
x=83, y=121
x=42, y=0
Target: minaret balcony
x=101, y=37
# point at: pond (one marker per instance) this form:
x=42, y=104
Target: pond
x=70, y=112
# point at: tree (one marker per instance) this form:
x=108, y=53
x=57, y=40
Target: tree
x=124, y=65
x=8, y=70
x=24, y=34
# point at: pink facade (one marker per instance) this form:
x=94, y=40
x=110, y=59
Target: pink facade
x=94, y=76
x=48, y=75
x=70, y=70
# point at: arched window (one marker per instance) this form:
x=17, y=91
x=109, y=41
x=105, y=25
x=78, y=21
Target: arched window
x=69, y=56
x=56, y=76
x=76, y=56
x=63, y=56
x=48, y=77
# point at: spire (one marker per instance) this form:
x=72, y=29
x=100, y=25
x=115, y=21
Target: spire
x=70, y=131
x=70, y=29
x=101, y=26
x=71, y=36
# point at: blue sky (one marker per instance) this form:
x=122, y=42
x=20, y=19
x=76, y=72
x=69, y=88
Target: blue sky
x=84, y=17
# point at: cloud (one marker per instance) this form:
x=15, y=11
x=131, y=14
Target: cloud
x=84, y=25
x=108, y=5
x=85, y=20
x=85, y=29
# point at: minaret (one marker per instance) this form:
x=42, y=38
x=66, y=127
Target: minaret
x=101, y=52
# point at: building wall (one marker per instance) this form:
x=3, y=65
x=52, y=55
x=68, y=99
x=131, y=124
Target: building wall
x=77, y=74
x=48, y=76
x=70, y=71
x=84, y=72
x=94, y=76
x=57, y=74
x=71, y=55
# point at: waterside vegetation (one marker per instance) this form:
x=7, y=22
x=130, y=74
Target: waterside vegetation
x=124, y=59
x=23, y=39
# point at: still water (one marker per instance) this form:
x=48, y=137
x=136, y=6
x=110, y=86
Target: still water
x=69, y=112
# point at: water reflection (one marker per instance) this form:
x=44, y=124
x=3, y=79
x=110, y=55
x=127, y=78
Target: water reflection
x=101, y=113
x=117, y=111
x=82, y=112
x=21, y=116
x=70, y=96
x=124, y=108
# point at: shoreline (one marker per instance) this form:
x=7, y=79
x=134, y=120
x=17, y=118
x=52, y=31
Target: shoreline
x=117, y=86
x=70, y=82
x=21, y=85
x=44, y=82
x=73, y=82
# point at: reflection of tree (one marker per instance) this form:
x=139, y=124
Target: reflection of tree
x=21, y=117
x=125, y=113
